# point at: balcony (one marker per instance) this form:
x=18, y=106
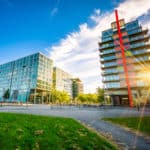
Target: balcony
x=108, y=58
x=110, y=81
x=134, y=32
x=107, y=52
x=139, y=52
x=138, y=45
x=109, y=65
x=141, y=37
x=105, y=40
x=112, y=85
x=111, y=78
x=142, y=59
x=106, y=46
x=109, y=73
x=147, y=46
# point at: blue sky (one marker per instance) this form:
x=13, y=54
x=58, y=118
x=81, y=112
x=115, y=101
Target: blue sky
x=68, y=31
x=32, y=25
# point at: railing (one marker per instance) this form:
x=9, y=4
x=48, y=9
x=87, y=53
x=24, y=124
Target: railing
x=108, y=58
x=109, y=65
x=108, y=51
x=107, y=45
x=138, y=38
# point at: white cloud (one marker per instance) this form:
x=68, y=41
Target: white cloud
x=97, y=11
x=55, y=9
x=96, y=16
x=78, y=51
x=131, y=9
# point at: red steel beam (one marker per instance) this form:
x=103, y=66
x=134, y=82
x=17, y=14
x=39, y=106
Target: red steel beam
x=124, y=60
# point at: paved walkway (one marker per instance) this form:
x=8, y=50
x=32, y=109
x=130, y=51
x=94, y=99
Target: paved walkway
x=92, y=117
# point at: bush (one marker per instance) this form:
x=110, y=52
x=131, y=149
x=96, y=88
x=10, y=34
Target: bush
x=92, y=98
x=87, y=98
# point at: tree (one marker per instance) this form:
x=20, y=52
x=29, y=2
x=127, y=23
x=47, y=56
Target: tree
x=59, y=96
x=100, y=95
x=6, y=94
x=82, y=98
x=64, y=97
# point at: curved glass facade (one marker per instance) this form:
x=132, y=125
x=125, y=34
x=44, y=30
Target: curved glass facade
x=22, y=76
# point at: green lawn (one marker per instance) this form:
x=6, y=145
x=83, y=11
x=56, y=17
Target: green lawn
x=135, y=123
x=31, y=132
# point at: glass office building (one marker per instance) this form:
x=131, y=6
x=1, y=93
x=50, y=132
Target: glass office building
x=62, y=81
x=28, y=78
x=77, y=87
x=136, y=44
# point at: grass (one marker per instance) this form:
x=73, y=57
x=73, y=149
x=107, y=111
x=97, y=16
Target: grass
x=32, y=132
x=134, y=123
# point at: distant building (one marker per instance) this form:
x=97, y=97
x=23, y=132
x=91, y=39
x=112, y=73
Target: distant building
x=77, y=87
x=28, y=78
x=125, y=62
x=31, y=78
x=62, y=80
